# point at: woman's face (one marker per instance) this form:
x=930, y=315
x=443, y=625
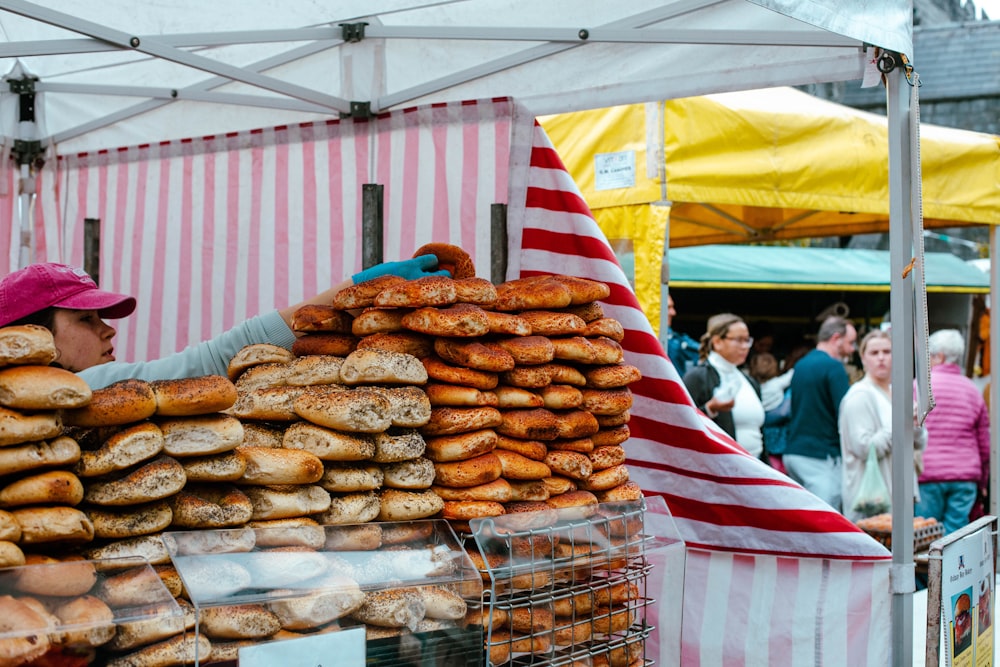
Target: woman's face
x=877, y=359
x=734, y=345
x=82, y=339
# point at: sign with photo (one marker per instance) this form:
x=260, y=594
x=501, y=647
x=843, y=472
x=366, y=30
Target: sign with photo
x=968, y=575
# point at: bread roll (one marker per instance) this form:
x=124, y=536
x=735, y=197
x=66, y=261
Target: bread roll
x=254, y=355
x=461, y=320
x=122, y=402
x=625, y=492
x=509, y=397
x=507, y=324
x=439, y=602
x=162, y=623
x=607, y=351
x=605, y=479
x=604, y=326
x=132, y=445
x=159, y=478
x=574, y=504
x=440, y=371
x=459, y=447
x=378, y=320
x=268, y=466
x=398, y=445
x=358, y=410
x=42, y=388
x=361, y=537
x=350, y=508
x=44, y=525
x=527, y=350
x=424, y=291
x=263, y=376
x=59, y=487
x=327, y=444
x=335, y=597
x=133, y=521
x=178, y=650
x=528, y=377
x=256, y=434
x=612, y=375
x=59, y=577
x=243, y=621
x=27, y=344
x=274, y=404
x=314, y=317
x=61, y=451
x=533, y=449
x=210, y=506
x=401, y=505
x=565, y=374
x=283, y=502
x=335, y=344
x=576, y=424
x=607, y=456
x=534, y=490
x=86, y=610
x=517, y=467
x=291, y=532
x=381, y=367
x=607, y=401
x=313, y=370
x=10, y=529
x=454, y=395
x=28, y=628
x=393, y=608
x=404, y=342
x=351, y=478
x=471, y=472
x=609, y=437
x=201, y=435
x=138, y=550
x=531, y=294
x=227, y=467
x=193, y=396
x=451, y=258
x=413, y=475
x=533, y=424
x=560, y=397
x=363, y=294
x=409, y=407
x=473, y=354
x=450, y=421
x=569, y=464
x=499, y=490
x=17, y=427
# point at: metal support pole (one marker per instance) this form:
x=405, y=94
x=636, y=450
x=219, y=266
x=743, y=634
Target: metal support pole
x=994, y=391
x=372, y=236
x=902, y=582
x=92, y=248
x=498, y=243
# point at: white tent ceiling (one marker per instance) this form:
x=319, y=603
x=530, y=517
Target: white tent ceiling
x=122, y=72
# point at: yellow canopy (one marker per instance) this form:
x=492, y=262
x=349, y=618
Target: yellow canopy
x=758, y=165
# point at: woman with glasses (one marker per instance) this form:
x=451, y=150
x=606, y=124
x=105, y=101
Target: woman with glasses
x=730, y=397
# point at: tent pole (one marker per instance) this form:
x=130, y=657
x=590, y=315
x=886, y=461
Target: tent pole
x=994, y=388
x=901, y=307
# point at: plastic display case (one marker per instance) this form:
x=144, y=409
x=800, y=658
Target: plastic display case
x=412, y=590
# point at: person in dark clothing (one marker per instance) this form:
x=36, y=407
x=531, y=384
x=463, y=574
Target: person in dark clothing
x=812, y=451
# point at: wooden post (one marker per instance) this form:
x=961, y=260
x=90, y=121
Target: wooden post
x=92, y=247
x=371, y=224
x=498, y=243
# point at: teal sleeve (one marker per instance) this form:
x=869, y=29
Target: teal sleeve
x=210, y=357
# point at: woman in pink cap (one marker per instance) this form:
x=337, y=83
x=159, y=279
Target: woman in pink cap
x=67, y=302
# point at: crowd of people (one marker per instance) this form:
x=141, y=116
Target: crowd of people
x=830, y=430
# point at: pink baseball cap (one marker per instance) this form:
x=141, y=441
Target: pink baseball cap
x=39, y=286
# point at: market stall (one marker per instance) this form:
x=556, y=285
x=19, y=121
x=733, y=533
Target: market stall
x=833, y=595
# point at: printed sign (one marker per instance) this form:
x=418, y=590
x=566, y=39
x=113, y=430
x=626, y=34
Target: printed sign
x=967, y=579
x=344, y=648
x=614, y=170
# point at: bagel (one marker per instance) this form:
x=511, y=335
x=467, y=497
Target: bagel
x=283, y=502
x=588, y=312
x=471, y=472
x=531, y=424
x=162, y=623
x=477, y=291
x=614, y=436
x=378, y=320
x=530, y=619
x=357, y=410
x=241, y=621
x=613, y=419
x=451, y=421
x=28, y=630
x=263, y=376
x=17, y=427
x=461, y=320
x=267, y=466
x=139, y=585
x=454, y=395
x=201, y=435
x=275, y=404
x=612, y=376
x=525, y=294
x=180, y=649
x=134, y=444
x=517, y=467
x=262, y=435
x=440, y=371
x=528, y=377
x=27, y=344
x=60, y=577
x=604, y=326
x=569, y=464
x=315, y=317
x=360, y=507
x=351, y=478
x=460, y=446
x=60, y=451
x=291, y=532
x=581, y=445
x=399, y=505
x=524, y=515
x=473, y=354
x=502, y=644
x=574, y=504
x=158, y=478
x=10, y=529
x=403, y=342
x=418, y=293
x=210, y=506
x=398, y=445
x=606, y=456
x=409, y=407
x=362, y=295
x=560, y=397
x=576, y=349
x=607, y=401
x=327, y=444
x=507, y=324
x=607, y=351
x=532, y=449
x=576, y=424
x=402, y=533
x=609, y=478
x=526, y=350
x=382, y=367
x=133, y=550
x=558, y=484
x=451, y=258
x=518, y=397
x=533, y=490
x=227, y=467
x=86, y=610
x=55, y=487
x=441, y=603
x=413, y=475
x=44, y=525
x=122, y=402
x=573, y=633
x=612, y=620
x=254, y=355
x=393, y=608
x=565, y=374
x=335, y=597
x=42, y=388
x=471, y=509
x=334, y=344
x=361, y=537
x=193, y=396
x=626, y=492
x=550, y=323
x=583, y=290
x=313, y=370
x=134, y=521
x=499, y=490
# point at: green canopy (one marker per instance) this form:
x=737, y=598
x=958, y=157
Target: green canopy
x=789, y=267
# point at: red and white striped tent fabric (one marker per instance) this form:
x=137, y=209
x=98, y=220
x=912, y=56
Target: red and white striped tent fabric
x=208, y=231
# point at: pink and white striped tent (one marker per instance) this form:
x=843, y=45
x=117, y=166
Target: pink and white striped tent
x=208, y=231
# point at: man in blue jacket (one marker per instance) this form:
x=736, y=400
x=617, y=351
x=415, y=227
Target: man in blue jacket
x=812, y=453
x=681, y=348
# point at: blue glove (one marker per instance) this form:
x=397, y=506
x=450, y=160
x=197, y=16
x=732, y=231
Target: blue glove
x=411, y=269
